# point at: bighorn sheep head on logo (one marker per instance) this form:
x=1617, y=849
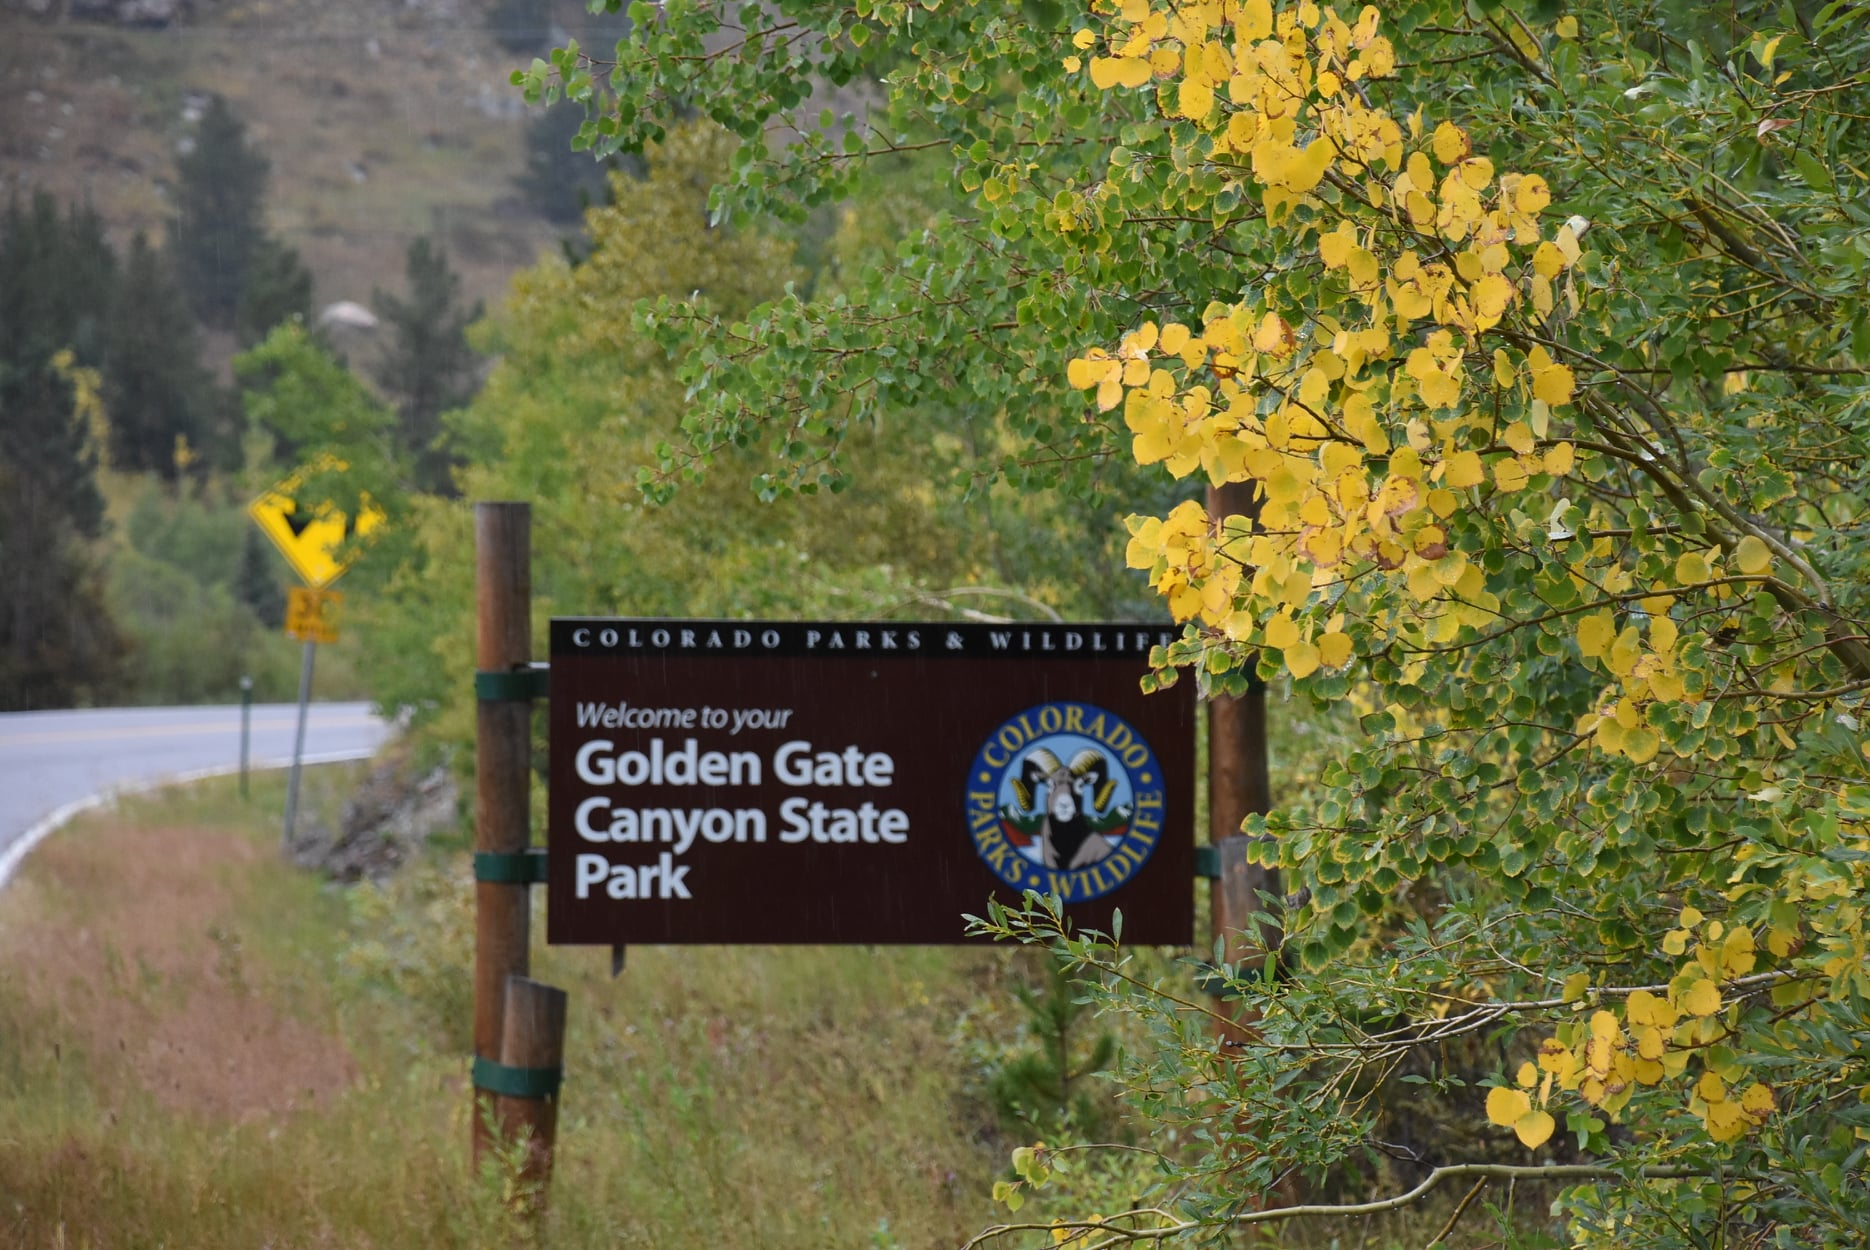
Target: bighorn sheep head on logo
x=1075, y=793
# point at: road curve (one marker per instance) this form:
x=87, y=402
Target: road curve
x=50, y=761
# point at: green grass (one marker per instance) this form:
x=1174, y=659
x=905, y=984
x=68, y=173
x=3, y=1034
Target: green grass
x=774, y=1097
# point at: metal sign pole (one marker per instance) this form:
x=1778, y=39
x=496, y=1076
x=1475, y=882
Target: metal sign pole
x=298, y=744
x=246, y=728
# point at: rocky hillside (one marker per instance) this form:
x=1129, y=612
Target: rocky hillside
x=384, y=119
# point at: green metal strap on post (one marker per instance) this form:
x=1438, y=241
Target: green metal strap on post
x=520, y=685
x=498, y=1078
x=519, y=868
x=1208, y=862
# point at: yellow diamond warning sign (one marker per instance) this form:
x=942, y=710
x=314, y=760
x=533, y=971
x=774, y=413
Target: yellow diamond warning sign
x=309, y=532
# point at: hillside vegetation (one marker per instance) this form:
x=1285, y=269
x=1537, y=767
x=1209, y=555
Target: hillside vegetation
x=383, y=120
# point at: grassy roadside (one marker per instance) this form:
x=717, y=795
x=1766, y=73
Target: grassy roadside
x=202, y=1047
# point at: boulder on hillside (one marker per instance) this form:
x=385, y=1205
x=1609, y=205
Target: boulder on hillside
x=395, y=809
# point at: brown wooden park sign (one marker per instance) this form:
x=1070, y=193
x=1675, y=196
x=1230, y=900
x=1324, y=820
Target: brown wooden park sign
x=757, y=781
x=768, y=782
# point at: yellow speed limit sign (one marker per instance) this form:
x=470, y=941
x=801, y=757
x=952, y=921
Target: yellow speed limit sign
x=312, y=614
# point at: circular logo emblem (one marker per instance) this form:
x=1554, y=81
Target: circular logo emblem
x=1065, y=798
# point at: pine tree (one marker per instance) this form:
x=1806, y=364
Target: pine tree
x=57, y=274
x=155, y=390
x=427, y=366
x=219, y=227
x=279, y=287
x=255, y=584
x=57, y=641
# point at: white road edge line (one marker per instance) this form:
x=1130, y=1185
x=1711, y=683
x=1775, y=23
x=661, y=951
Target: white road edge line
x=14, y=855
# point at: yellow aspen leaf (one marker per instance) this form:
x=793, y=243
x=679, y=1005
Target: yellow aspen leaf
x=1256, y=20
x=1463, y=470
x=1757, y=1101
x=1083, y=38
x=1137, y=343
x=1689, y=917
x=1604, y=1026
x=1503, y=370
x=1691, y=569
x=1649, y=1043
x=1109, y=392
x=1309, y=170
x=1379, y=58
x=1560, y=458
x=1174, y=338
x=1518, y=436
x=1450, y=143
x=1105, y=72
x=1274, y=336
x=1072, y=64
x=1335, y=248
x=1726, y=1121
x=1133, y=11
x=1575, y=986
x=1566, y=27
x=1534, y=1129
x=1506, y=1106
x=1301, y=658
x=1675, y=941
x=1194, y=99
x=1710, y=1088
x=1492, y=295
x=1542, y=300
x=1556, y=1058
x=1647, y=1009
x=1609, y=736
x=1423, y=584
x=1781, y=941
x=1737, y=952
x=1595, y=633
x=1649, y=1071
x=1281, y=632
x=1703, y=998
x=1527, y=1076
x=1509, y=475
x=1752, y=556
x=1553, y=384
x=1443, y=502
x=1532, y=195
x=1334, y=650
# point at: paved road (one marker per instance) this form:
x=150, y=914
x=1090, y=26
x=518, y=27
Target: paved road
x=51, y=759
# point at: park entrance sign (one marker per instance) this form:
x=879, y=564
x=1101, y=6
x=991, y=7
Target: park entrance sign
x=746, y=781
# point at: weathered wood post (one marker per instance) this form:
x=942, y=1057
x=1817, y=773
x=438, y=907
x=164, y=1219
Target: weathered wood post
x=1238, y=786
x=532, y=1041
x=503, y=747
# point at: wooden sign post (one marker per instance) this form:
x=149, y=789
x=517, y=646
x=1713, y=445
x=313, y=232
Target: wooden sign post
x=519, y=1024
x=1238, y=786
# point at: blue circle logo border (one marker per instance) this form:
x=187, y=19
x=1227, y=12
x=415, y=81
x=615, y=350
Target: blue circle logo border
x=988, y=779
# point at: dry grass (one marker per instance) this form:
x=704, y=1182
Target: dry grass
x=200, y=1047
